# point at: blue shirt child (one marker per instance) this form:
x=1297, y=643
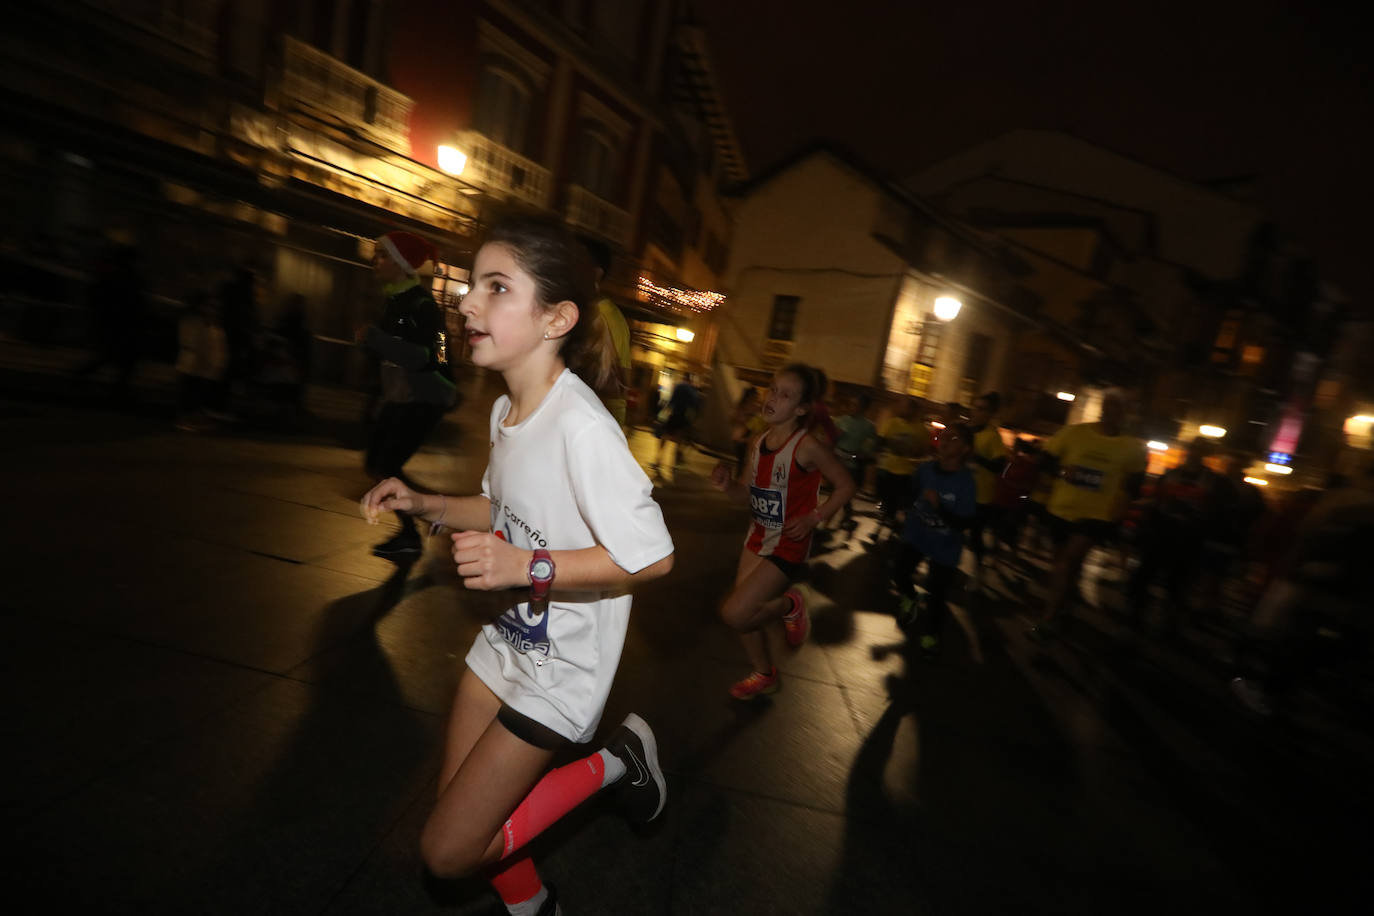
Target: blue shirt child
x=938, y=533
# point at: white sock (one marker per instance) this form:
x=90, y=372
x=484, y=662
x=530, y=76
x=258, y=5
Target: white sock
x=531, y=906
x=612, y=768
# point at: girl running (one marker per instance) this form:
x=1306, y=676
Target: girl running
x=781, y=481
x=566, y=521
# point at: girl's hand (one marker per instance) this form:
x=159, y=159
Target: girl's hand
x=720, y=476
x=389, y=496
x=486, y=562
x=799, y=528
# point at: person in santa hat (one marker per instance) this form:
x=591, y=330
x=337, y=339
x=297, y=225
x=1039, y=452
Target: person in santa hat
x=416, y=391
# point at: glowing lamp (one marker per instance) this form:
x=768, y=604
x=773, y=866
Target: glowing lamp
x=947, y=308
x=1155, y=445
x=685, y=335
x=1211, y=432
x=452, y=160
x=1066, y=396
x=1257, y=481
x=1280, y=469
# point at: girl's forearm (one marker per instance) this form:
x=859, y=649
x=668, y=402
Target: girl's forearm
x=591, y=568
x=460, y=513
x=835, y=502
x=737, y=491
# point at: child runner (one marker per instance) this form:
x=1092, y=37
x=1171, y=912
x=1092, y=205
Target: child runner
x=901, y=440
x=988, y=456
x=565, y=517
x=782, y=482
x=944, y=505
x=855, y=448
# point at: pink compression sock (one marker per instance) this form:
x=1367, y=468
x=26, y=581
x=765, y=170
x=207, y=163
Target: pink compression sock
x=515, y=880
x=559, y=792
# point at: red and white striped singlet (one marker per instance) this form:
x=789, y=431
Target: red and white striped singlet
x=780, y=489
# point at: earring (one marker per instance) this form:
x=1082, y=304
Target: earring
x=546, y=335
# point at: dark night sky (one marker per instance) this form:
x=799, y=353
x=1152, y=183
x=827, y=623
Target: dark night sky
x=1203, y=90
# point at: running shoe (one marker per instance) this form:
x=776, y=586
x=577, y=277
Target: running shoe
x=406, y=544
x=550, y=905
x=642, y=791
x=796, y=623
x=755, y=684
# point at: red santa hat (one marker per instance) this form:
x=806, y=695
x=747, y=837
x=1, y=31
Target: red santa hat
x=408, y=250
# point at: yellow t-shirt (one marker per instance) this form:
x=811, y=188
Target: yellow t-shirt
x=620, y=339
x=987, y=443
x=1093, y=468
x=901, y=442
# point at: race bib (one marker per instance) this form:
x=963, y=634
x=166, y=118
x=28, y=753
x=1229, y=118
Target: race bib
x=1084, y=478
x=766, y=506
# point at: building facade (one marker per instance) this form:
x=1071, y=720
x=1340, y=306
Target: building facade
x=1183, y=292
x=290, y=134
x=834, y=266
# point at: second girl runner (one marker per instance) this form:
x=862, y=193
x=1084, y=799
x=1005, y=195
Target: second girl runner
x=781, y=481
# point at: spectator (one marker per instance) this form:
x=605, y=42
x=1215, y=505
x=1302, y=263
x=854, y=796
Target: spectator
x=682, y=413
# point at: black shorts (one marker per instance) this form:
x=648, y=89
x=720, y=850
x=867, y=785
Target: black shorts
x=530, y=731
x=794, y=572
x=1094, y=529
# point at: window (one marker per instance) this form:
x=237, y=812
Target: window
x=931, y=331
x=781, y=324
x=597, y=164
x=503, y=109
x=976, y=360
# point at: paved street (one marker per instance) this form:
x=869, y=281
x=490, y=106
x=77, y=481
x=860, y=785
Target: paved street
x=216, y=701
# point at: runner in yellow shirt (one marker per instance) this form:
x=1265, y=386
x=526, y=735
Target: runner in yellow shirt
x=1100, y=470
x=987, y=459
x=901, y=440
x=613, y=320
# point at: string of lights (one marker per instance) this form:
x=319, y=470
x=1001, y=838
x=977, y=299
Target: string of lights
x=693, y=300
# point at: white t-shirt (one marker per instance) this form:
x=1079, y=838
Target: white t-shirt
x=564, y=479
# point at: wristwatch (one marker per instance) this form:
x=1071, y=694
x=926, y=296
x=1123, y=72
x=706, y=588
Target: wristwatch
x=541, y=575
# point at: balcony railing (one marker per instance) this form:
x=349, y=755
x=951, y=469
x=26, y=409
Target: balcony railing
x=587, y=211
x=312, y=78
x=502, y=171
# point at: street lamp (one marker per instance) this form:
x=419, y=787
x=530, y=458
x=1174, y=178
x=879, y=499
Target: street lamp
x=452, y=160
x=947, y=308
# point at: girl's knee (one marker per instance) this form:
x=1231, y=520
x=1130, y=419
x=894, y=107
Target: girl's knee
x=735, y=614
x=448, y=857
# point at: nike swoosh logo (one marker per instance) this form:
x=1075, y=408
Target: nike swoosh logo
x=642, y=772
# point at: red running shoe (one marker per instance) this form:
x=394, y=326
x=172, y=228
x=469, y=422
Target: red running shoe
x=796, y=623
x=755, y=684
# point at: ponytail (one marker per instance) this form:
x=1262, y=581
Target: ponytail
x=591, y=354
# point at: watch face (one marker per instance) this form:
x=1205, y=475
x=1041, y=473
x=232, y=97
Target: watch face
x=541, y=569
